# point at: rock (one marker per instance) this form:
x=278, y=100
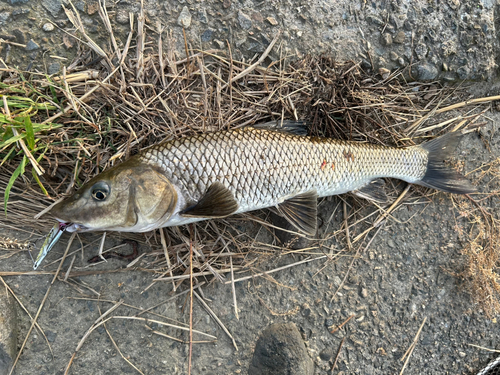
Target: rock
x=326, y=354
x=4, y=16
x=184, y=19
x=48, y=27
x=393, y=56
x=391, y=244
x=424, y=72
x=8, y=331
x=226, y=4
x=280, y=350
x=207, y=35
x=92, y=8
x=20, y=12
x=364, y=292
x=122, y=16
x=400, y=37
x=463, y=72
x=257, y=17
x=20, y=38
x=244, y=20
x=386, y=39
x=54, y=68
x=421, y=51
x=31, y=45
x=52, y=6
x=202, y=15
x=272, y=21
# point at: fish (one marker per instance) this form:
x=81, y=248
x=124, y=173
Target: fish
x=275, y=164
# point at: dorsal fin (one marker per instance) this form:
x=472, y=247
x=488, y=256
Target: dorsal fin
x=285, y=126
x=301, y=211
x=218, y=201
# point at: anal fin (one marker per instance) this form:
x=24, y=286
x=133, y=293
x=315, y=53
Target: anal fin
x=373, y=191
x=218, y=201
x=301, y=212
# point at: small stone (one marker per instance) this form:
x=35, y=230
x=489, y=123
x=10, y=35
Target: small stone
x=207, y=35
x=31, y=45
x=272, y=21
x=226, y=4
x=400, y=37
x=219, y=43
x=280, y=350
x=365, y=64
x=445, y=67
x=421, y=51
x=391, y=244
x=184, y=19
x=80, y=5
x=462, y=354
x=257, y=17
x=244, y=20
x=122, y=16
x=54, y=68
x=202, y=15
x=20, y=12
x=385, y=73
x=4, y=16
x=326, y=354
x=401, y=61
x=51, y=336
x=463, y=72
x=425, y=72
x=393, y=56
x=48, y=27
x=53, y=6
x=92, y=8
x=386, y=39
x=364, y=293
x=20, y=38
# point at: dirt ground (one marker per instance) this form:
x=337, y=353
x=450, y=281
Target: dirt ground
x=406, y=276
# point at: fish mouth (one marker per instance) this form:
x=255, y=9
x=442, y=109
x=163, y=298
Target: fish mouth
x=72, y=227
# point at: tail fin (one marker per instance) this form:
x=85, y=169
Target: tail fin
x=438, y=175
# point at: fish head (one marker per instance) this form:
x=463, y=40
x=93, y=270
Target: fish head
x=130, y=197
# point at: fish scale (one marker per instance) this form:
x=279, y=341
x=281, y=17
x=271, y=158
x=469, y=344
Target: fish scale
x=263, y=168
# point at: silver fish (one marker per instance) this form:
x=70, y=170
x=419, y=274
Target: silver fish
x=214, y=175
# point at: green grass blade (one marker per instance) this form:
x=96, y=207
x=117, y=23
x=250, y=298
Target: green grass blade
x=30, y=134
x=19, y=171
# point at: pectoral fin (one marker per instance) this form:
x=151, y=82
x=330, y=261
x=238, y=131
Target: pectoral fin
x=373, y=191
x=301, y=211
x=218, y=201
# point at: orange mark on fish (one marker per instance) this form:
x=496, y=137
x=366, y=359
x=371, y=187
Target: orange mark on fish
x=323, y=165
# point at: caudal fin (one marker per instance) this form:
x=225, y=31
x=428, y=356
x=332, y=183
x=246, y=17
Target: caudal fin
x=438, y=175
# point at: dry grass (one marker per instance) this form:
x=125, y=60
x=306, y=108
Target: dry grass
x=141, y=90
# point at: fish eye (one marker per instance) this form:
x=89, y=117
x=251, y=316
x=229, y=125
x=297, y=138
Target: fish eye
x=100, y=191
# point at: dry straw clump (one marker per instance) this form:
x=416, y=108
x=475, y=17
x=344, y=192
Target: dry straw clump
x=139, y=91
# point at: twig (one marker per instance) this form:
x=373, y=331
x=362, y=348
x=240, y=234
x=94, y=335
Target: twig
x=409, y=352
x=258, y=62
x=338, y=355
x=212, y=314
